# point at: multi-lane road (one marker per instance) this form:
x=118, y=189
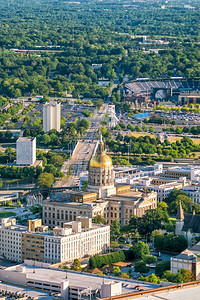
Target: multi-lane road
x=83, y=152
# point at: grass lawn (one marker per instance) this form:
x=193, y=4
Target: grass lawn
x=138, y=134
x=6, y=214
x=172, y=139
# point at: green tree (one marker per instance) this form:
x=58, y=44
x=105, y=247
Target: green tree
x=151, y=278
x=99, y=220
x=161, y=267
x=185, y=201
x=144, y=128
x=76, y=265
x=141, y=267
x=45, y=180
x=116, y=271
x=98, y=103
x=140, y=249
x=169, y=276
x=184, y=275
x=115, y=230
x=86, y=113
x=151, y=129
x=46, y=140
x=125, y=276
x=178, y=130
x=152, y=220
x=170, y=242
x=56, y=160
x=84, y=185
x=173, y=195
x=149, y=259
x=132, y=226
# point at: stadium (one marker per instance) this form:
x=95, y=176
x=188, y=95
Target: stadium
x=179, y=91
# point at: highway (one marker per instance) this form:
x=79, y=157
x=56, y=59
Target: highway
x=82, y=154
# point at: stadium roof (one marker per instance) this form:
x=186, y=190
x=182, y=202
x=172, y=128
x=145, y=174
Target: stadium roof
x=140, y=87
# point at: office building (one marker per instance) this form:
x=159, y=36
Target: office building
x=163, y=190
x=10, y=239
x=26, y=151
x=190, y=172
x=75, y=239
x=193, y=191
x=51, y=116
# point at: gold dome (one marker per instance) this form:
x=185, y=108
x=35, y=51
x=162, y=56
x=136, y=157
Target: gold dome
x=101, y=160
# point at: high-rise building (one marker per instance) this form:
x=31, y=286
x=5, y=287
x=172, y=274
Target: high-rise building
x=51, y=116
x=26, y=151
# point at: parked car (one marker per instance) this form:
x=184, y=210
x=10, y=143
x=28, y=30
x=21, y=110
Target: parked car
x=137, y=287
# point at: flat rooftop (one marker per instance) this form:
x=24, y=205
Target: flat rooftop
x=80, y=279
x=16, y=227
x=25, y=290
x=25, y=139
x=165, y=185
x=186, y=293
x=131, y=196
x=66, y=202
x=52, y=103
x=187, y=168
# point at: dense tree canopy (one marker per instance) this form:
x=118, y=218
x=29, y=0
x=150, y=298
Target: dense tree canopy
x=62, y=40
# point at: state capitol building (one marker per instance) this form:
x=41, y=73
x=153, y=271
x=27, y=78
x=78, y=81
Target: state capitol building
x=102, y=197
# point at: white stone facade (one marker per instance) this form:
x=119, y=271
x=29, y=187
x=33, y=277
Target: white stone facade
x=10, y=239
x=26, y=151
x=88, y=242
x=51, y=116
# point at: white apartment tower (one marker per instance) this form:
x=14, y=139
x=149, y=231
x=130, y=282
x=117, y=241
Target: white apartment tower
x=51, y=116
x=26, y=151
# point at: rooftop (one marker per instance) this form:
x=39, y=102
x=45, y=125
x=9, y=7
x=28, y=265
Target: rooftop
x=189, y=292
x=186, y=255
x=83, y=280
x=131, y=196
x=25, y=139
x=16, y=228
x=185, y=169
x=62, y=202
x=166, y=185
x=191, y=222
x=52, y=103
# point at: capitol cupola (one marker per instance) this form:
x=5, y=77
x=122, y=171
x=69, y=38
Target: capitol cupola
x=101, y=173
